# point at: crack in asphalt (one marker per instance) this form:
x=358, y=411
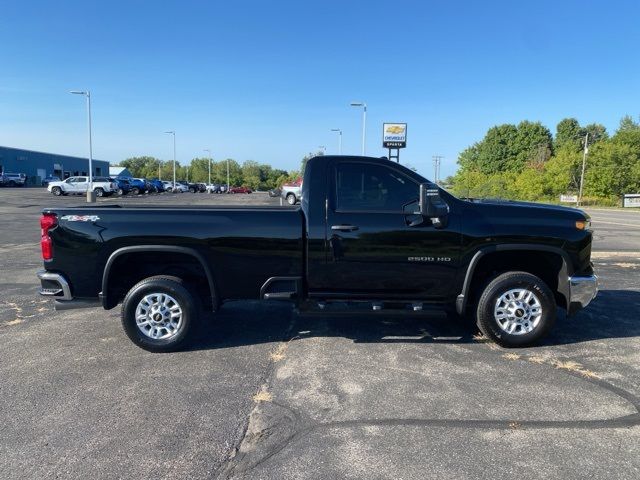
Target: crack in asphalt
x=243, y=428
x=259, y=444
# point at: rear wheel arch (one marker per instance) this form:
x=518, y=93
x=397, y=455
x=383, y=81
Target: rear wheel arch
x=173, y=259
x=551, y=264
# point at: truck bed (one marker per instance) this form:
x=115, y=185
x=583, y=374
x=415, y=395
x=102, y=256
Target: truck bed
x=243, y=246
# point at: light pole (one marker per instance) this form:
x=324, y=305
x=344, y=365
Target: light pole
x=584, y=163
x=174, y=158
x=339, y=139
x=364, y=123
x=228, y=186
x=90, y=195
x=209, y=151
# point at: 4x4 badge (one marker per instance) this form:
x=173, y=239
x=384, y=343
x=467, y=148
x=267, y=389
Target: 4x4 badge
x=80, y=218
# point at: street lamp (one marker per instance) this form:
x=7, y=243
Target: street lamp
x=174, y=158
x=364, y=123
x=209, y=151
x=90, y=194
x=584, y=164
x=339, y=139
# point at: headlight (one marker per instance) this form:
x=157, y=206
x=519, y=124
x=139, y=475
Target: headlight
x=583, y=224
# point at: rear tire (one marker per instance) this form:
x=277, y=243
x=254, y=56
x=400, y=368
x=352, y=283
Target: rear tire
x=159, y=313
x=516, y=309
x=291, y=199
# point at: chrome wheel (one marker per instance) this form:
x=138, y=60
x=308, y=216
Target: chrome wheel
x=518, y=311
x=158, y=316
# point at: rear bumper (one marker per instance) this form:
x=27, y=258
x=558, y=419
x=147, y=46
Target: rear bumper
x=54, y=285
x=582, y=289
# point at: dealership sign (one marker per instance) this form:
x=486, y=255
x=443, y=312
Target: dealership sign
x=394, y=135
x=631, y=200
x=569, y=198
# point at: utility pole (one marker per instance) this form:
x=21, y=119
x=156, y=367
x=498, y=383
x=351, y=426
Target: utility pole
x=90, y=193
x=364, y=124
x=437, y=159
x=209, y=151
x=339, y=139
x=174, y=158
x=584, y=163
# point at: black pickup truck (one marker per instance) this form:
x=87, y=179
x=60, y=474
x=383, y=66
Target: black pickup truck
x=367, y=230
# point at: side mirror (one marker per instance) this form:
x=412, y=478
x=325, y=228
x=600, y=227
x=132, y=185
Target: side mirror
x=431, y=205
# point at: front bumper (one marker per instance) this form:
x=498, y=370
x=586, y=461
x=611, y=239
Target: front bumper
x=582, y=290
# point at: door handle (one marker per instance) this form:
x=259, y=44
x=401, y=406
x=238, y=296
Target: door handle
x=344, y=228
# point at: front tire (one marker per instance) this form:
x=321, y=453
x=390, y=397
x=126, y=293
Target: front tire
x=516, y=309
x=99, y=192
x=57, y=191
x=159, y=313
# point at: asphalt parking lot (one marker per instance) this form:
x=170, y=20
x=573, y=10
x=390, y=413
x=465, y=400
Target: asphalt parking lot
x=266, y=393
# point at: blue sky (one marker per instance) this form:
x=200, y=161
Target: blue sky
x=268, y=80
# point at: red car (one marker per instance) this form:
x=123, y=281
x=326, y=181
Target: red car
x=240, y=190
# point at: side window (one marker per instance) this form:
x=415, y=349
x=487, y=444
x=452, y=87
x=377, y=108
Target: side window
x=81, y=180
x=363, y=186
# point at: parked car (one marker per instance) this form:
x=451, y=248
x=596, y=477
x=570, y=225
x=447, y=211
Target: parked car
x=138, y=186
x=158, y=186
x=369, y=229
x=275, y=192
x=213, y=188
x=202, y=187
x=122, y=185
x=13, y=179
x=79, y=185
x=180, y=187
x=47, y=180
x=292, y=192
x=240, y=190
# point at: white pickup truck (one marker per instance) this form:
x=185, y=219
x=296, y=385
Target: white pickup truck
x=79, y=185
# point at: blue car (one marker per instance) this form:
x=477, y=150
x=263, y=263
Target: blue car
x=138, y=185
x=122, y=185
x=157, y=185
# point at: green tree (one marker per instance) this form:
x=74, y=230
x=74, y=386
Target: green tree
x=307, y=157
x=145, y=167
x=562, y=172
x=612, y=169
x=568, y=134
x=219, y=172
x=508, y=148
x=628, y=133
x=251, y=174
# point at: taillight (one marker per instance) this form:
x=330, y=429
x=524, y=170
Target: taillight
x=47, y=222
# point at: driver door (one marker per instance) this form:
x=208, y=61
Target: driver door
x=374, y=245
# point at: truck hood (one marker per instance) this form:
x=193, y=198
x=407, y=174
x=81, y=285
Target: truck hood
x=555, y=210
